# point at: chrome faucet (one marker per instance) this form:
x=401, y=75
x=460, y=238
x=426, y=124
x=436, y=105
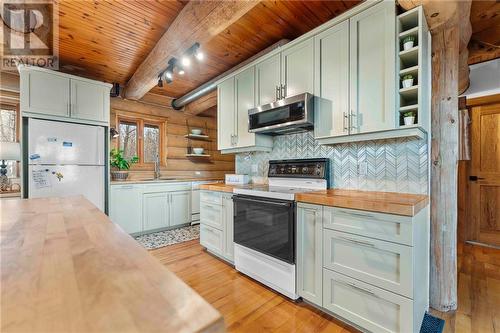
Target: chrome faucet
x=157, y=167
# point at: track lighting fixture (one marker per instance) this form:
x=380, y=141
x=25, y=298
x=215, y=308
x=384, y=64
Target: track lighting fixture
x=160, y=82
x=185, y=61
x=178, y=66
x=181, y=71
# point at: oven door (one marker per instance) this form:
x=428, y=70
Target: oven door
x=265, y=225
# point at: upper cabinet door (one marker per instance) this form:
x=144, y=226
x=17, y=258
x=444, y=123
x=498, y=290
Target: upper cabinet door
x=225, y=114
x=298, y=68
x=245, y=100
x=267, y=80
x=373, y=68
x=88, y=101
x=332, y=81
x=44, y=93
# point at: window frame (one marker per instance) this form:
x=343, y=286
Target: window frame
x=141, y=122
x=17, y=110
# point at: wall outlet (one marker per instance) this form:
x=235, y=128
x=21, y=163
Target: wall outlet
x=362, y=169
x=197, y=173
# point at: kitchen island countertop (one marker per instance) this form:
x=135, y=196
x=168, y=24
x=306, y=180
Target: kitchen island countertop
x=67, y=268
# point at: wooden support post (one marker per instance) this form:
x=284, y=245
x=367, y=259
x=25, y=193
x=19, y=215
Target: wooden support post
x=444, y=168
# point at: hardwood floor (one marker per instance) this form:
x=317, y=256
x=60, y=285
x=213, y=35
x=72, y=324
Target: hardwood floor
x=248, y=306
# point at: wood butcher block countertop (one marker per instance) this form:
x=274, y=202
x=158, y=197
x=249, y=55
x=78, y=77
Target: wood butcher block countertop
x=381, y=202
x=221, y=187
x=65, y=267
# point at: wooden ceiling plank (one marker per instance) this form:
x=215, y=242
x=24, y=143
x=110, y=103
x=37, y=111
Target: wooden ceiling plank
x=197, y=22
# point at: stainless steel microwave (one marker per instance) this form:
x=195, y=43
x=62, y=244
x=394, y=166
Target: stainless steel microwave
x=289, y=115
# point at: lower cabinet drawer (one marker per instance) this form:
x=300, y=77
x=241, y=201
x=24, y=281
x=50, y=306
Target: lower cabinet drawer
x=369, y=307
x=212, y=239
x=211, y=197
x=211, y=215
x=384, y=264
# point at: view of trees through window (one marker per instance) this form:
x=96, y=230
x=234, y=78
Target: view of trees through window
x=141, y=138
x=128, y=139
x=8, y=119
x=151, y=143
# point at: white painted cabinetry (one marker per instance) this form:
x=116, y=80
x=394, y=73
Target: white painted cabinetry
x=62, y=96
x=216, y=223
x=373, y=69
x=310, y=253
x=89, y=101
x=267, y=80
x=125, y=207
x=141, y=208
x=235, y=97
x=297, y=74
x=369, y=268
x=332, y=81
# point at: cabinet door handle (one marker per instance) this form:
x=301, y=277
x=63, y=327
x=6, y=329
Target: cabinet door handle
x=351, y=121
x=277, y=93
x=355, y=241
x=344, y=121
x=283, y=87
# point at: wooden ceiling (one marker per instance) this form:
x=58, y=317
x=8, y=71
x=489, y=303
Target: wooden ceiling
x=108, y=39
x=485, y=40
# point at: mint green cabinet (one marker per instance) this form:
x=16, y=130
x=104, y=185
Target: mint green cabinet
x=310, y=252
x=155, y=210
x=125, y=207
x=179, y=208
x=332, y=81
x=268, y=79
x=298, y=68
x=89, y=101
x=245, y=100
x=226, y=114
x=373, y=69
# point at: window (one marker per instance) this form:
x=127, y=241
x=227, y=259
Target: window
x=151, y=143
x=128, y=139
x=142, y=138
x=8, y=133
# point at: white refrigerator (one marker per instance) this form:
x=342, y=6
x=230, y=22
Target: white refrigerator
x=66, y=159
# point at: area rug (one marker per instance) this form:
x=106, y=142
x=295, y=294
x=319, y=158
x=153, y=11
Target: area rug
x=168, y=237
x=431, y=324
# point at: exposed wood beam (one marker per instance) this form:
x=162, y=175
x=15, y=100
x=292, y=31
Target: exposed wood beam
x=444, y=168
x=199, y=21
x=438, y=13
x=202, y=104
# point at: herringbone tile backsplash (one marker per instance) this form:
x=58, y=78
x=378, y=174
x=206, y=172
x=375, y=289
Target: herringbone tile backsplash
x=395, y=165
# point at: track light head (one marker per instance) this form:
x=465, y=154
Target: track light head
x=160, y=82
x=185, y=61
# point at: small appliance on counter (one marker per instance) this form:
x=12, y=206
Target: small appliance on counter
x=235, y=179
x=265, y=222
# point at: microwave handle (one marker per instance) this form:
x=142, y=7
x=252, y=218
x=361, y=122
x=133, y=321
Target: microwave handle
x=262, y=201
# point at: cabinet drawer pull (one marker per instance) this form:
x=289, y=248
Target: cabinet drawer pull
x=358, y=214
x=353, y=285
x=345, y=120
x=355, y=241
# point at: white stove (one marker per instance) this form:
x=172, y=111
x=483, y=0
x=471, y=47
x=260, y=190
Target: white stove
x=265, y=222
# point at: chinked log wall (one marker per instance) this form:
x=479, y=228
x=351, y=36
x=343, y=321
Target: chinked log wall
x=177, y=164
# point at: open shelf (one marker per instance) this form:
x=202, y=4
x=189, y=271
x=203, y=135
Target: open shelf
x=413, y=70
x=411, y=32
x=197, y=137
x=408, y=20
x=409, y=93
x=411, y=107
x=198, y=155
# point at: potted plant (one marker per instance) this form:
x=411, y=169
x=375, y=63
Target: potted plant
x=408, y=81
x=120, y=165
x=409, y=118
x=408, y=42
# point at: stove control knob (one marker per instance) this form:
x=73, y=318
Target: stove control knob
x=305, y=170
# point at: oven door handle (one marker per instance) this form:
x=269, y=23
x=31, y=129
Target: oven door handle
x=262, y=201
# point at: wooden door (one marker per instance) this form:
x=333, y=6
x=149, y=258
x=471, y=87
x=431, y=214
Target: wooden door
x=180, y=207
x=332, y=81
x=484, y=178
x=373, y=68
x=310, y=253
x=45, y=93
x=225, y=114
x=155, y=211
x=245, y=100
x=298, y=68
x=267, y=79
x=88, y=101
